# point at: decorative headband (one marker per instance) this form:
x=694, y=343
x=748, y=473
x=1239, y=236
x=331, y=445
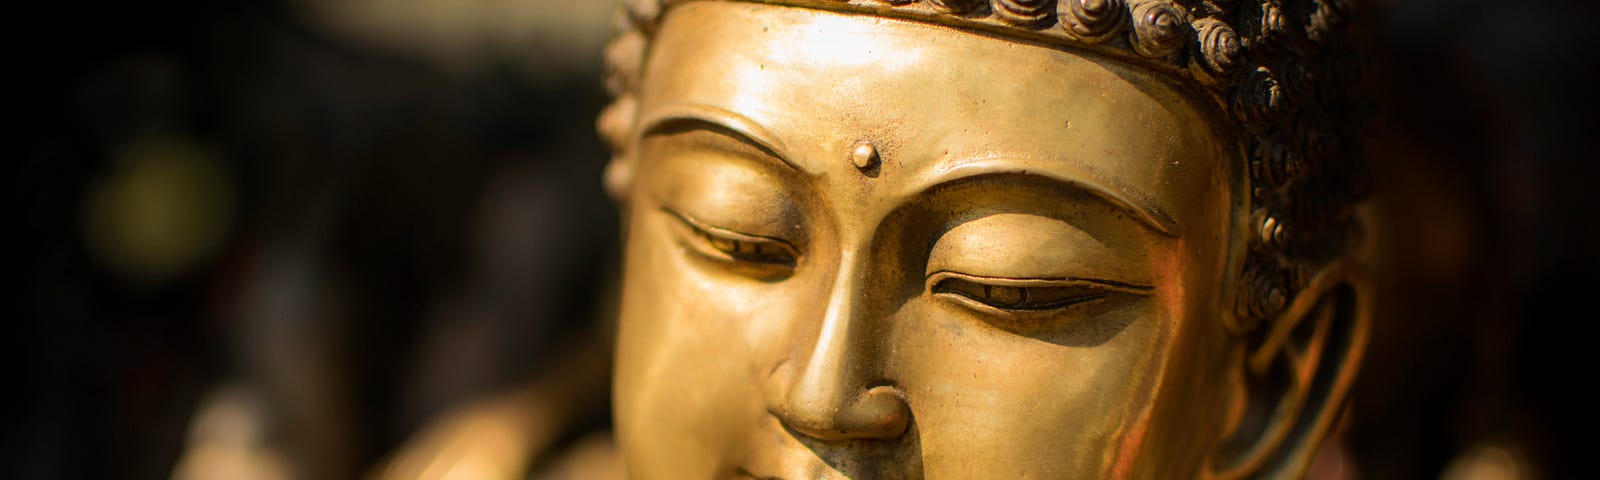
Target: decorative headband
x=1261, y=58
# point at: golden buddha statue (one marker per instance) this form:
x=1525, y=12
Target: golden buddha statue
x=983, y=238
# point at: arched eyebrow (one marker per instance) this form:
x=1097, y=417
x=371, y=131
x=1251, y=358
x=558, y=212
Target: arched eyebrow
x=686, y=117
x=680, y=117
x=1145, y=213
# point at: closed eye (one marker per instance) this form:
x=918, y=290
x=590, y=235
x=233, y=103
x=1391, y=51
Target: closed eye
x=730, y=246
x=1023, y=295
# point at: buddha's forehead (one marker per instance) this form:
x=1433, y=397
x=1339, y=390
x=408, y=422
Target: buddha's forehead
x=931, y=97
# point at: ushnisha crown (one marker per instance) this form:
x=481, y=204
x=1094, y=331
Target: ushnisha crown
x=1280, y=68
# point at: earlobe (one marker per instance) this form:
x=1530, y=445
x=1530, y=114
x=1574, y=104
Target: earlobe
x=1294, y=377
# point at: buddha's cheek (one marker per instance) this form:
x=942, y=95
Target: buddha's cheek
x=994, y=404
x=684, y=400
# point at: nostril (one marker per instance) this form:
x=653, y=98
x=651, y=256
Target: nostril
x=882, y=413
x=879, y=413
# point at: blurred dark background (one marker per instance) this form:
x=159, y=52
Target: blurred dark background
x=356, y=215
x=305, y=228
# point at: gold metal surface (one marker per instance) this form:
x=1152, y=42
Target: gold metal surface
x=868, y=241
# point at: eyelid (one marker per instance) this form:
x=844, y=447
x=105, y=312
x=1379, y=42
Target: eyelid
x=1108, y=285
x=793, y=254
x=1022, y=296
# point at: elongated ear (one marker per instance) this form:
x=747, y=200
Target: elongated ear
x=1293, y=379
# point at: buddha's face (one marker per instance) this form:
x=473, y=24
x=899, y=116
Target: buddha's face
x=876, y=248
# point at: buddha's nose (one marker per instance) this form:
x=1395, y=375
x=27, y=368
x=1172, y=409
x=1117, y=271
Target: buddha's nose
x=837, y=392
